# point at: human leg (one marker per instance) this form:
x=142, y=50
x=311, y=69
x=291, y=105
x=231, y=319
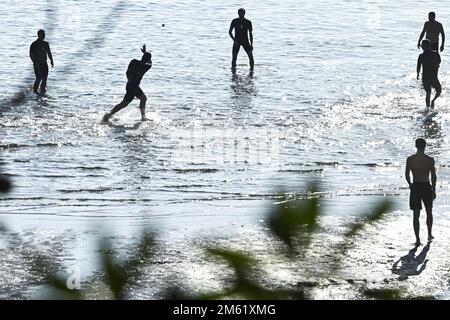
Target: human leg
x=44, y=73
x=119, y=107
x=430, y=223
x=141, y=96
x=37, y=73
x=428, y=197
x=236, y=48
x=416, y=225
x=129, y=96
x=116, y=109
x=249, y=50
x=427, y=87
x=415, y=204
x=438, y=88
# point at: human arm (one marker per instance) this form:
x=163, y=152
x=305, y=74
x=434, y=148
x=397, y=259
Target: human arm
x=230, y=32
x=148, y=60
x=419, y=64
x=49, y=53
x=407, y=173
x=443, y=38
x=32, y=53
x=250, y=32
x=433, y=178
x=422, y=34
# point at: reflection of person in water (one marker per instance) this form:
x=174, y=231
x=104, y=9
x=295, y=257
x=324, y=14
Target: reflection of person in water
x=421, y=166
x=242, y=85
x=243, y=29
x=410, y=265
x=242, y=90
x=135, y=73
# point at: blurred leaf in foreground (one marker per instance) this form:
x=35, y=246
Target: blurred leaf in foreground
x=5, y=184
x=119, y=274
x=286, y=221
x=246, y=283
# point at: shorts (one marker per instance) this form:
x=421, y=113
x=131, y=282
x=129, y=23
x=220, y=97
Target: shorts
x=431, y=83
x=133, y=92
x=421, y=192
x=435, y=46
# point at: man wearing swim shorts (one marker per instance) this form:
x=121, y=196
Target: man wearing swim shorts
x=429, y=61
x=422, y=167
x=135, y=73
x=243, y=30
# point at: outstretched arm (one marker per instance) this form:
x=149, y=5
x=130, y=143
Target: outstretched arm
x=422, y=34
x=443, y=38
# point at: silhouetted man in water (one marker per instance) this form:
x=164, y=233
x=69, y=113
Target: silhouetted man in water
x=135, y=73
x=421, y=166
x=432, y=28
x=429, y=60
x=242, y=29
x=39, y=50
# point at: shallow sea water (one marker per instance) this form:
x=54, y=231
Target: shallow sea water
x=333, y=97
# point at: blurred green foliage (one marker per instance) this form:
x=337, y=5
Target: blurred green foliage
x=293, y=222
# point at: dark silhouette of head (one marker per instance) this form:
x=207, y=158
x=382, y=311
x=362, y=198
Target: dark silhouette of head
x=421, y=144
x=41, y=34
x=426, y=44
x=146, y=57
x=241, y=12
x=432, y=16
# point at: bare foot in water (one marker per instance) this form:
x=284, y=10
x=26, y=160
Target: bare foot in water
x=430, y=238
x=418, y=243
x=106, y=117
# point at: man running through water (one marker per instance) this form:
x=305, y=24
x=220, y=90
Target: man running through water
x=242, y=29
x=39, y=50
x=135, y=73
x=429, y=60
x=432, y=28
x=421, y=166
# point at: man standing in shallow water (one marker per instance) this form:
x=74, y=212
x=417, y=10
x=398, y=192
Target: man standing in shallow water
x=242, y=30
x=39, y=50
x=432, y=28
x=421, y=166
x=429, y=61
